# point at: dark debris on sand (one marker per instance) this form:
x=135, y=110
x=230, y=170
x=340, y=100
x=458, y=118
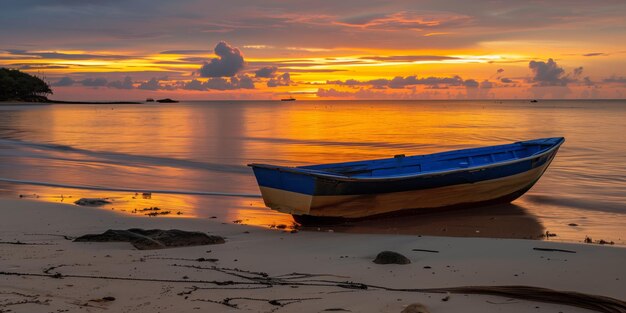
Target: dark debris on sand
x=92, y=201
x=390, y=257
x=154, y=238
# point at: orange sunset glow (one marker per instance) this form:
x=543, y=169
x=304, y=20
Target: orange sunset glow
x=94, y=50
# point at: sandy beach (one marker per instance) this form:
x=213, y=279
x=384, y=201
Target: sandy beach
x=42, y=270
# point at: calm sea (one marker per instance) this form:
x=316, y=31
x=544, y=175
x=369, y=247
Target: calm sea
x=191, y=148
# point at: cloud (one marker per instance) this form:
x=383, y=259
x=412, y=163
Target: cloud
x=94, y=82
x=127, y=83
x=280, y=80
x=64, y=82
x=185, y=52
x=400, y=82
x=506, y=80
x=331, y=92
x=470, y=83
x=615, y=80
x=409, y=58
x=594, y=54
x=404, y=20
x=500, y=70
x=485, y=84
x=364, y=93
x=266, y=72
x=548, y=73
x=588, y=82
x=219, y=83
x=152, y=84
x=228, y=63
x=194, y=84
x=65, y=56
x=578, y=71
x=39, y=66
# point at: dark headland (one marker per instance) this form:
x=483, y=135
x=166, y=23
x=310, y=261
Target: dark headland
x=20, y=87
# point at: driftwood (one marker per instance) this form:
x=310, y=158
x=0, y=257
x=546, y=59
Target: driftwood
x=19, y=243
x=554, y=250
x=426, y=250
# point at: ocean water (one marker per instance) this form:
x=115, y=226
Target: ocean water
x=196, y=153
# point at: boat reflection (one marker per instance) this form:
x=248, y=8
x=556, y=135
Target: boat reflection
x=498, y=221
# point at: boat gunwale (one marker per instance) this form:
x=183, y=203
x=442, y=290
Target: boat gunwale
x=323, y=174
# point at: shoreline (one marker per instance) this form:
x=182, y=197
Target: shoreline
x=506, y=221
x=174, y=279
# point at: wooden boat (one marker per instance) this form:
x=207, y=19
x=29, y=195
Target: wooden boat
x=352, y=190
x=288, y=99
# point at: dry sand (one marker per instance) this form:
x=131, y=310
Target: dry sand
x=176, y=282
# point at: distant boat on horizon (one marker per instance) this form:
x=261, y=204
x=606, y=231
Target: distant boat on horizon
x=288, y=99
x=355, y=190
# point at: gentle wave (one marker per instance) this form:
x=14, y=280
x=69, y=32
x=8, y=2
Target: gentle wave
x=581, y=204
x=142, y=160
x=103, y=188
x=366, y=144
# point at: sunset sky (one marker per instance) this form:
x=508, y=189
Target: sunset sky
x=349, y=49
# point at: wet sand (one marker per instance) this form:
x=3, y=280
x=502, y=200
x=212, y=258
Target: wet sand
x=334, y=267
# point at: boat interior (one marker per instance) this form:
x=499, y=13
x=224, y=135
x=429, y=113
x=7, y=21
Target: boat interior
x=444, y=161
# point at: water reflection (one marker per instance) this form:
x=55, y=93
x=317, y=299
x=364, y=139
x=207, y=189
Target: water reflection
x=499, y=221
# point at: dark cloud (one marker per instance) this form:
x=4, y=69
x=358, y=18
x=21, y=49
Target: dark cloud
x=152, y=84
x=615, y=79
x=500, y=70
x=403, y=20
x=39, y=66
x=588, y=82
x=185, y=52
x=594, y=54
x=548, y=73
x=64, y=82
x=409, y=58
x=194, y=84
x=320, y=70
x=94, y=82
x=578, y=71
x=349, y=82
x=485, y=84
x=280, y=80
x=506, y=80
x=65, y=56
x=228, y=63
x=400, y=82
x=362, y=93
x=195, y=59
x=470, y=83
x=245, y=82
x=219, y=83
x=266, y=72
x=127, y=83
x=331, y=92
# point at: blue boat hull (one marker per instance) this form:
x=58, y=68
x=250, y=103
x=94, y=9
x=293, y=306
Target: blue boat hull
x=368, y=188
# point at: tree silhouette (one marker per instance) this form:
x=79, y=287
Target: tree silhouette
x=16, y=85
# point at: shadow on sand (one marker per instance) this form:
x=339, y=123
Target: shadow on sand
x=495, y=221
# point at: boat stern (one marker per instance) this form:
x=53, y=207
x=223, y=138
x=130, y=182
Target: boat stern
x=284, y=191
x=286, y=201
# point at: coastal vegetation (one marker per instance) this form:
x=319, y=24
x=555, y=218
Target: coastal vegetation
x=18, y=86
